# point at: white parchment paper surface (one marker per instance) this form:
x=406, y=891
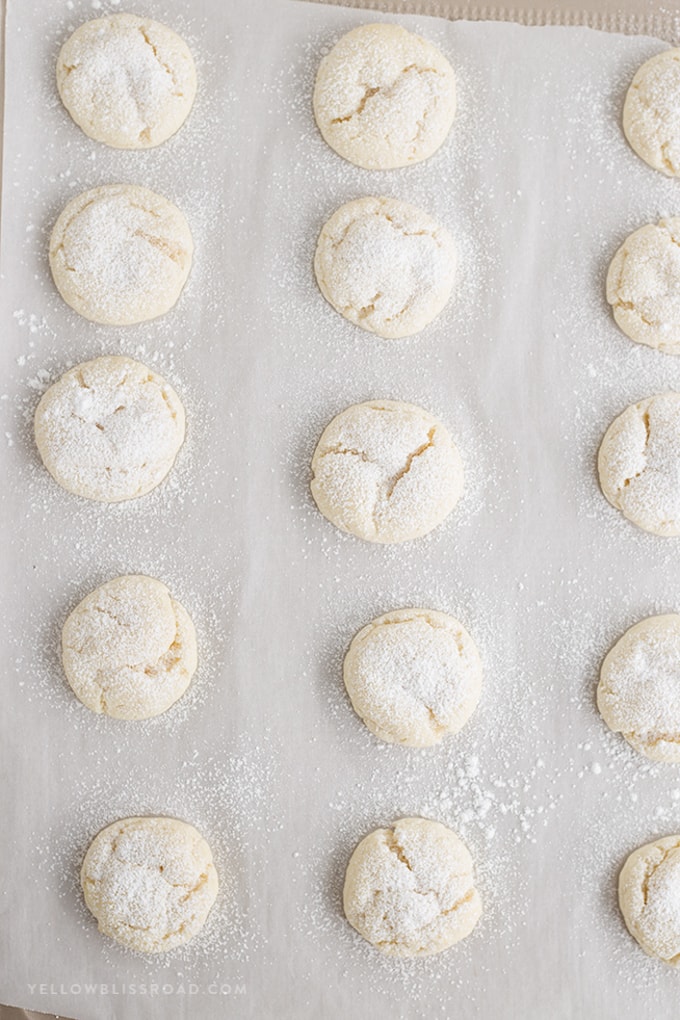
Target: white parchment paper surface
x=265, y=756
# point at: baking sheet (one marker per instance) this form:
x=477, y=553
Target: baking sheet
x=264, y=755
x=631, y=17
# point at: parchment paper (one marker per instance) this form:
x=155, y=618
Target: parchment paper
x=265, y=755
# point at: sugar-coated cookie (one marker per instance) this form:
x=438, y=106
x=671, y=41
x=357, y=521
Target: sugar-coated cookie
x=384, y=97
x=127, y=81
x=385, y=265
x=413, y=676
x=120, y=254
x=129, y=648
x=386, y=471
x=639, y=464
x=649, y=894
x=639, y=690
x=409, y=890
x=109, y=429
x=643, y=285
x=150, y=882
x=651, y=112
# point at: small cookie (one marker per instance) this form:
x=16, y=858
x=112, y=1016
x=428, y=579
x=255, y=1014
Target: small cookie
x=384, y=97
x=129, y=649
x=409, y=890
x=643, y=286
x=109, y=429
x=639, y=464
x=120, y=254
x=651, y=112
x=150, y=882
x=413, y=676
x=385, y=265
x=128, y=82
x=386, y=471
x=649, y=897
x=639, y=690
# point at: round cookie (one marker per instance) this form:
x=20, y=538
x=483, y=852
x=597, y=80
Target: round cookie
x=384, y=97
x=385, y=265
x=639, y=464
x=643, y=286
x=409, y=890
x=150, y=882
x=120, y=254
x=109, y=429
x=649, y=898
x=651, y=112
x=413, y=676
x=639, y=690
x=127, y=81
x=129, y=649
x=386, y=471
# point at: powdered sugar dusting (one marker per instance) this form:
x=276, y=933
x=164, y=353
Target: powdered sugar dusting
x=639, y=690
x=109, y=429
x=527, y=370
x=649, y=895
x=639, y=464
x=385, y=265
x=413, y=676
x=129, y=649
x=662, y=917
x=226, y=799
x=150, y=882
x=409, y=889
x=651, y=117
x=383, y=97
x=642, y=285
x=386, y=471
x=127, y=81
x=120, y=254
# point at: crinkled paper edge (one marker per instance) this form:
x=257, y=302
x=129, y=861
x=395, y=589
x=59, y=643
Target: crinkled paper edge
x=662, y=24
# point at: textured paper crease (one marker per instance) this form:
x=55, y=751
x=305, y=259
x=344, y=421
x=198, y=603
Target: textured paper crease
x=662, y=24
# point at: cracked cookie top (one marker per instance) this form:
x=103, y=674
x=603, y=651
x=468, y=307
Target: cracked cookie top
x=120, y=254
x=413, y=676
x=384, y=97
x=109, y=429
x=649, y=897
x=639, y=464
x=409, y=890
x=385, y=265
x=386, y=471
x=126, y=81
x=150, y=882
x=129, y=649
x=639, y=690
x=651, y=112
x=643, y=286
